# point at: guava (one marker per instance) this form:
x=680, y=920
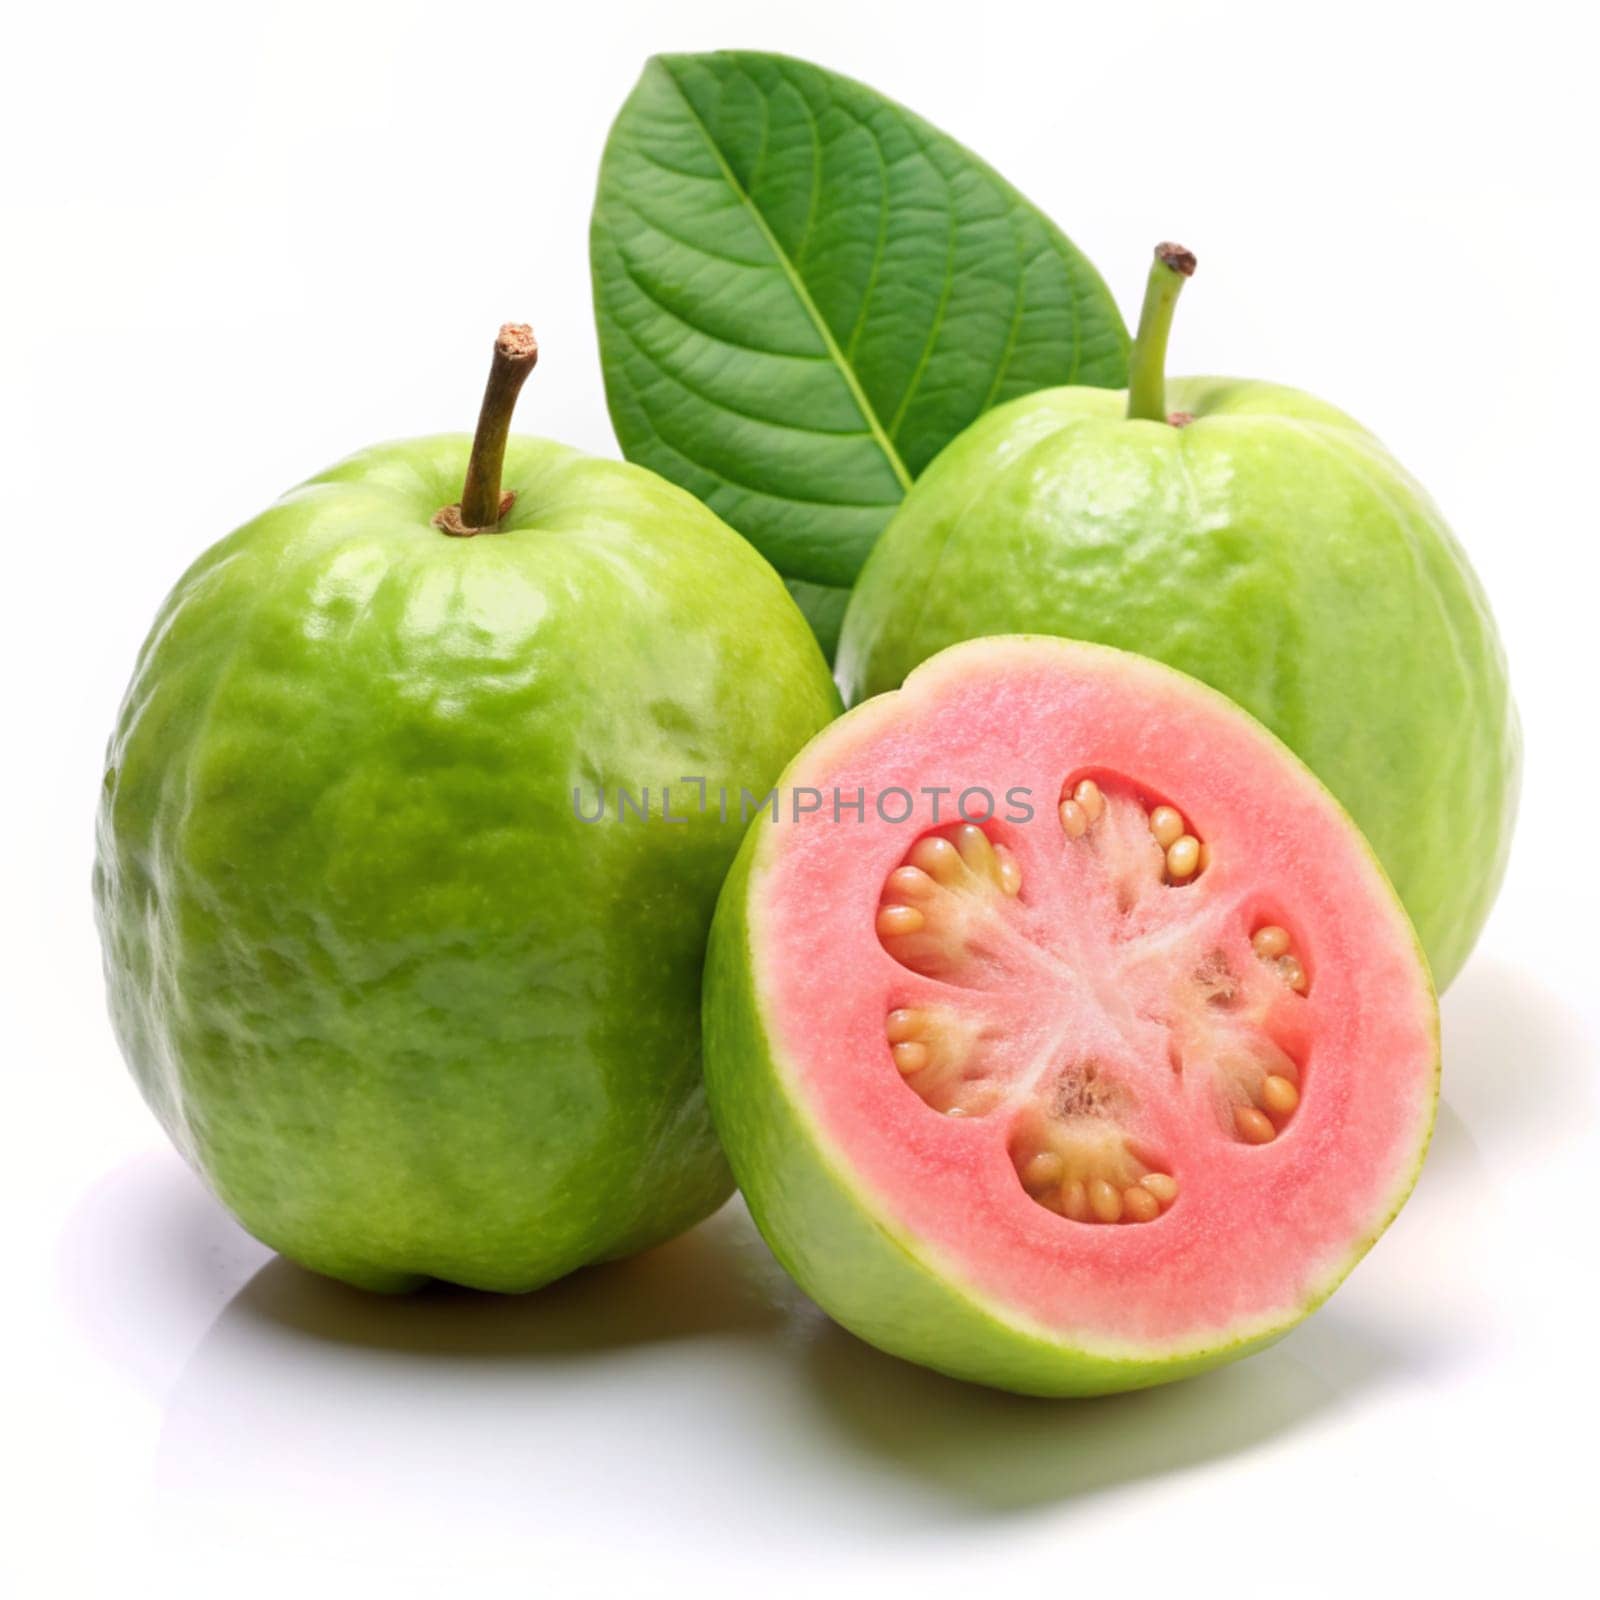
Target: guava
x=409, y=1011
x=1256, y=538
x=1064, y=1033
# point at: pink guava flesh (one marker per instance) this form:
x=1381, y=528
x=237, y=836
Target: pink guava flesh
x=1102, y=1004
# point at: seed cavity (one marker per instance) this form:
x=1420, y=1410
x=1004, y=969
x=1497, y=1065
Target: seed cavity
x=1184, y=854
x=1179, y=857
x=937, y=912
x=942, y=1056
x=1083, y=1169
x=1262, y=1085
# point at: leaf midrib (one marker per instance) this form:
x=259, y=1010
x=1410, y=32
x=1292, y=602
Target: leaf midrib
x=801, y=292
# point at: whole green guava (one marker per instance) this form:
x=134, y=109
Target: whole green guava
x=1257, y=539
x=407, y=1011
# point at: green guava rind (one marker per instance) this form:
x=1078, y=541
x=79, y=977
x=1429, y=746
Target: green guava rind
x=839, y=1240
x=1273, y=549
x=406, y=1013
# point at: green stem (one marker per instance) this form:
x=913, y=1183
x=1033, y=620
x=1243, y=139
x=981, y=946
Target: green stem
x=482, y=505
x=1147, y=364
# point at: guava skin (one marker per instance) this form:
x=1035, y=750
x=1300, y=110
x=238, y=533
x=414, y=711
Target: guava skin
x=1271, y=548
x=408, y=1015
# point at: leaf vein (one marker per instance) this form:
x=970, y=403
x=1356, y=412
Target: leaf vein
x=937, y=324
x=670, y=375
x=803, y=295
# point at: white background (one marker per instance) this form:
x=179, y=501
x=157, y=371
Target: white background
x=241, y=241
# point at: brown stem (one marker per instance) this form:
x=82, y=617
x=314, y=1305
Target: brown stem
x=482, y=505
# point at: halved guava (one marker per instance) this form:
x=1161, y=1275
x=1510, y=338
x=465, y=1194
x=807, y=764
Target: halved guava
x=1109, y=1083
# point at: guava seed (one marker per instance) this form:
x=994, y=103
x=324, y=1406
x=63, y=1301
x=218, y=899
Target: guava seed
x=909, y=883
x=1105, y=1201
x=1167, y=825
x=1183, y=858
x=1255, y=1127
x=1278, y=1095
x=937, y=857
x=911, y=1055
x=903, y=1024
x=1041, y=1172
x=895, y=921
x=1074, y=819
x=1007, y=872
x=972, y=844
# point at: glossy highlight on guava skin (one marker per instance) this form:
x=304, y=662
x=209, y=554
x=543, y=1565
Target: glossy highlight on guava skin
x=1256, y=538
x=407, y=1014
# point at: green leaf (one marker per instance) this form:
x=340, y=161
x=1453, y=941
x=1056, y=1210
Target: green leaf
x=804, y=292
x=823, y=607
